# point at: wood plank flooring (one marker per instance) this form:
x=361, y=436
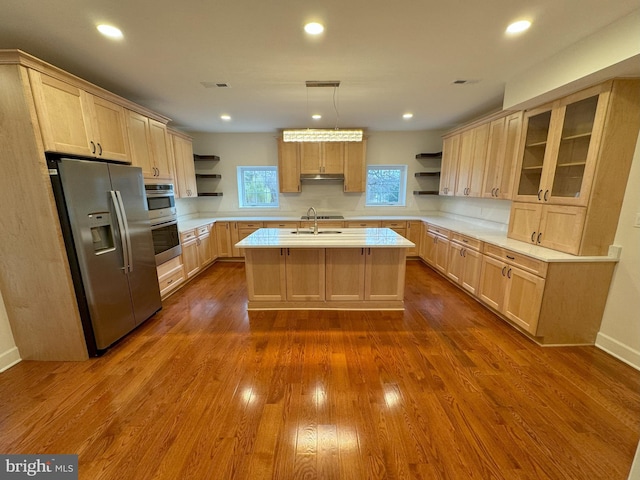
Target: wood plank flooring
x=443, y=390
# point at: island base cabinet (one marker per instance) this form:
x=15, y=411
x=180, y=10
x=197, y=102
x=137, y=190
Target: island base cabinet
x=345, y=274
x=266, y=275
x=324, y=279
x=384, y=274
x=305, y=274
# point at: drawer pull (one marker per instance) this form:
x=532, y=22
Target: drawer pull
x=510, y=257
x=465, y=241
x=170, y=282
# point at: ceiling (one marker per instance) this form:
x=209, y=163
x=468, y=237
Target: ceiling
x=391, y=57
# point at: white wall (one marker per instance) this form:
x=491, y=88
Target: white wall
x=9, y=354
x=239, y=149
x=620, y=330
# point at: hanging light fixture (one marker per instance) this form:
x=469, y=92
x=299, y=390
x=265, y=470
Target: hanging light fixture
x=323, y=134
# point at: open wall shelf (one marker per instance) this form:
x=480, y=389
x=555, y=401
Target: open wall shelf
x=208, y=175
x=210, y=194
x=201, y=158
x=427, y=174
x=429, y=155
x=425, y=192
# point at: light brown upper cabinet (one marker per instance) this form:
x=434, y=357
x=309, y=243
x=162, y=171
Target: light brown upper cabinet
x=449, y=168
x=185, y=173
x=502, y=156
x=322, y=157
x=288, y=166
x=355, y=175
x=577, y=152
x=149, y=147
x=77, y=122
x=473, y=155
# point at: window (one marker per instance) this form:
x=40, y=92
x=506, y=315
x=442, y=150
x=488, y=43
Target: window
x=386, y=185
x=258, y=186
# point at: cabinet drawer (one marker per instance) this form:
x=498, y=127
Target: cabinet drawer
x=393, y=224
x=249, y=225
x=473, y=243
x=202, y=230
x=529, y=264
x=363, y=224
x=171, y=280
x=169, y=266
x=438, y=230
x=281, y=224
x=187, y=235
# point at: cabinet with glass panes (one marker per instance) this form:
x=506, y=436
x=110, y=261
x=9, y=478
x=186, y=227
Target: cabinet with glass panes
x=574, y=161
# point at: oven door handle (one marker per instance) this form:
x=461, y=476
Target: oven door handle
x=155, y=226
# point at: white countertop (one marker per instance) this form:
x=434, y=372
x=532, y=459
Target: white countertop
x=480, y=230
x=347, y=238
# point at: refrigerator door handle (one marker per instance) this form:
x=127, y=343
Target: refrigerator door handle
x=121, y=227
x=126, y=231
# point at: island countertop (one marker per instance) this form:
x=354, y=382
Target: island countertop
x=326, y=238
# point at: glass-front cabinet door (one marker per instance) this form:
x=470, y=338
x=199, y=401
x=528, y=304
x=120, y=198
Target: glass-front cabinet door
x=535, y=151
x=561, y=148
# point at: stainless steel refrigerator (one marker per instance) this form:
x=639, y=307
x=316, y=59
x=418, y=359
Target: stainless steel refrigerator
x=105, y=223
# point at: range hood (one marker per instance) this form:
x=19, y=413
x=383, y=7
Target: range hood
x=322, y=177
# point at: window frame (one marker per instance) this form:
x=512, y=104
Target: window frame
x=240, y=170
x=402, y=191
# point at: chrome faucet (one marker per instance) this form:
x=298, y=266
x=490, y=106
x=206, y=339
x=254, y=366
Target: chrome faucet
x=315, y=219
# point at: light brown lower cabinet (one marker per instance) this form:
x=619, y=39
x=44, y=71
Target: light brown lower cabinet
x=197, y=251
x=319, y=278
x=223, y=239
x=464, y=266
x=558, y=303
x=436, y=251
x=170, y=276
x=414, y=234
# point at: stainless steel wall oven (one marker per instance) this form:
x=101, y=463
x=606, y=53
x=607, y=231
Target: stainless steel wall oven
x=164, y=221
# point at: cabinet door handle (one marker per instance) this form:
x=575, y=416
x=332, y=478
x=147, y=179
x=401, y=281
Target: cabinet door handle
x=93, y=147
x=546, y=195
x=533, y=237
x=509, y=273
x=460, y=252
x=539, y=193
x=503, y=270
x=539, y=235
x=288, y=252
x=362, y=251
x=464, y=253
x=497, y=191
x=99, y=148
x=281, y=253
x=493, y=192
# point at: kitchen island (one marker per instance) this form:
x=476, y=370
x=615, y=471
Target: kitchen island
x=345, y=269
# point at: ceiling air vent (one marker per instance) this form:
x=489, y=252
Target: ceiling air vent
x=323, y=83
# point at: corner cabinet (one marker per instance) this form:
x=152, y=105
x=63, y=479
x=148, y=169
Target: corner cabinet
x=576, y=153
x=77, y=122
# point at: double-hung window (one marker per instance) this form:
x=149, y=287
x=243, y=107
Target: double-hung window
x=386, y=185
x=258, y=187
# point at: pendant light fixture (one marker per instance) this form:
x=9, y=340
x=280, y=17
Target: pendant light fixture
x=323, y=134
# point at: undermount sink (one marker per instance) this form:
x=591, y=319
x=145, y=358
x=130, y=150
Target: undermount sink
x=309, y=232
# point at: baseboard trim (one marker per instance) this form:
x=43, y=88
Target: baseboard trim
x=619, y=350
x=9, y=358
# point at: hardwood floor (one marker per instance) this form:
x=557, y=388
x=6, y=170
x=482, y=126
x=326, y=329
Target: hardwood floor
x=445, y=389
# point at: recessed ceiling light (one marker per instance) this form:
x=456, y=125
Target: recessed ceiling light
x=314, y=28
x=316, y=116
x=226, y=118
x=109, y=31
x=407, y=116
x=519, y=26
